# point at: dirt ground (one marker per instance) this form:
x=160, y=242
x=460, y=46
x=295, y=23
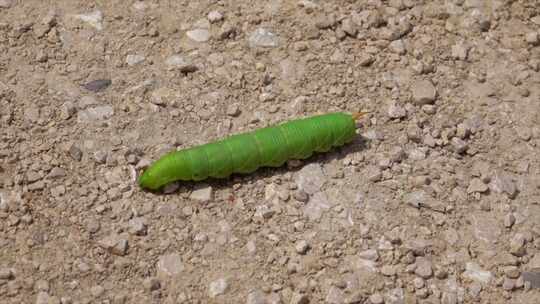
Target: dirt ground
x=437, y=201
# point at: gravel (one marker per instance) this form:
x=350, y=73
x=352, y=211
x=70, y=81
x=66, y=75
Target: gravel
x=434, y=201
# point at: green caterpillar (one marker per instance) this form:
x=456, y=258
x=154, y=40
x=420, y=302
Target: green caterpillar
x=245, y=153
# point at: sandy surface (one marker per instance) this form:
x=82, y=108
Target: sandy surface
x=436, y=202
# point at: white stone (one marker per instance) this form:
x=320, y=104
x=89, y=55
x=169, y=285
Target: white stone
x=133, y=59
x=218, y=287
x=202, y=194
x=95, y=114
x=475, y=273
x=215, y=16
x=169, y=265
x=199, y=35
x=262, y=37
x=94, y=19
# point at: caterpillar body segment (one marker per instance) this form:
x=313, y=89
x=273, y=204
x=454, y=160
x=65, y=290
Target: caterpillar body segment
x=245, y=153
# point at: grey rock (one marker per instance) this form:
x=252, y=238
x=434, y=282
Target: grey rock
x=75, y=152
x=394, y=296
x=203, y=194
x=95, y=114
x=374, y=174
x=311, y=178
x=460, y=51
x=423, y=92
x=370, y=255
x=477, y=185
x=180, y=63
x=463, y=130
x=33, y=176
x=508, y=284
x=534, y=262
x=6, y=3
x=388, y=270
x=152, y=284
x=533, y=38
x=6, y=274
x=262, y=37
x=97, y=291
x=100, y=156
x=475, y=273
x=416, y=199
x=263, y=212
x=317, y=205
x=398, y=47
x=302, y=247
x=418, y=283
x=67, y=110
x=43, y=285
x=376, y=298
x=335, y=296
x=512, y=272
x=97, y=85
x=502, y=183
x=43, y=298
x=349, y=27
x=94, y=19
x=116, y=244
x=524, y=133
x=517, y=245
x=366, y=60
x=396, y=111
x=198, y=35
x=134, y=59
x=424, y=268
x=256, y=297
x=509, y=220
x=486, y=228
x=459, y=145
x=227, y=30
x=233, y=110
x=57, y=172
x=532, y=277
x=214, y=16
x=299, y=298
x=169, y=265
x=449, y=298
x=218, y=287
x=137, y=226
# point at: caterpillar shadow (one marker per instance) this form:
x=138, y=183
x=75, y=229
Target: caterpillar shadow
x=338, y=153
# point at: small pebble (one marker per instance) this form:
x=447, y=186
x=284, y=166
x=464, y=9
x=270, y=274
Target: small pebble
x=218, y=287
x=75, y=152
x=424, y=268
x=199, y=35
x=533, y=38
x=137, y=226
x=132, y=59
x=509, y=220
x=203, y=194
x=423, y=92
x=97, y=85
x=262, y=37
x=376, y=298
x=396, y=111
x=152, y=284
x=299, y=298
x=302, y=247
x=215, y=16
x=6, y=274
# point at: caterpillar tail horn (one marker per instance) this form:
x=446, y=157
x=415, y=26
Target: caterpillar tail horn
x=358, y=115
